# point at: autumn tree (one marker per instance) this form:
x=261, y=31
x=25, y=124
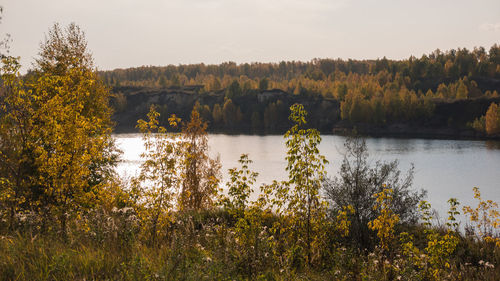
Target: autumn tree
x=306, y=171
x=65, y=52
x=298, y=199
x=239, y=187
x=203, y=110
x=217, y=115
x=231, y=114
x=64, y=49
x=16, y=130
x=68, y=138
x=462, y=90
x=488, y=123
x=158, y=180
x=200, y=173
x=492, y=120
x=250, y=230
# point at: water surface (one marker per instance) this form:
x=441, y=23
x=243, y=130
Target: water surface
x=445, y=168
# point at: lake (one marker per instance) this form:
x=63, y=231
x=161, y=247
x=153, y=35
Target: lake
x=445, y=168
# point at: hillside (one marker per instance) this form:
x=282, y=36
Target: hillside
x=448, y=120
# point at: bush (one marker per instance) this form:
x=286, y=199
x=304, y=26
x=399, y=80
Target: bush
x=357, y=184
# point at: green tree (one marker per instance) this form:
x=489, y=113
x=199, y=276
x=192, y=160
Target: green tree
x=234, y=90
x=263, y=84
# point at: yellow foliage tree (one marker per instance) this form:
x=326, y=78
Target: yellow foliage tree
x=200, y=173
x=16, y=127
x=385, y=222
x=492, y=120
x=485, y=218
x=298, y=201
x=61, y=115
x=158, y=181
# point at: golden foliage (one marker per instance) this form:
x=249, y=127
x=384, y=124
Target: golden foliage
x=485, y=218
x=385, y=222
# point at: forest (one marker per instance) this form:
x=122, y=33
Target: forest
x=418, y=93
x=66, y=215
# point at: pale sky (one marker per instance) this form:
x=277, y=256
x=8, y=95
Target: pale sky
x=129, y=33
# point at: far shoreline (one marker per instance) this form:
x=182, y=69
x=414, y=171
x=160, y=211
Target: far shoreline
x=344, y=132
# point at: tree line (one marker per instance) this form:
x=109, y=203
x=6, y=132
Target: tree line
x=376, y=92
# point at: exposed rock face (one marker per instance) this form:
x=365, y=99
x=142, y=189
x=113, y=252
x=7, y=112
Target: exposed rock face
x=448, y=121
x=136, y=101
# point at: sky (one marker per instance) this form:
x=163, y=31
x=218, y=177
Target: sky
x=131, y=33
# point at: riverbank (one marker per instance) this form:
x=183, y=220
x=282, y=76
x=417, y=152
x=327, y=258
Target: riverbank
x=400, y=131
x=405, y=131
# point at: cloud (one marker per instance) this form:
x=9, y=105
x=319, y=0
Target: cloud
x=490, y=26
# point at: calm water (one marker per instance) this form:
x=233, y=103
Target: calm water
x=445, y=168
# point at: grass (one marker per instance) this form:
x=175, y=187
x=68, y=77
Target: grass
x=201, y=246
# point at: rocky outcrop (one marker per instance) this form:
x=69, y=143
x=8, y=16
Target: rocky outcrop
x=448, y=120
